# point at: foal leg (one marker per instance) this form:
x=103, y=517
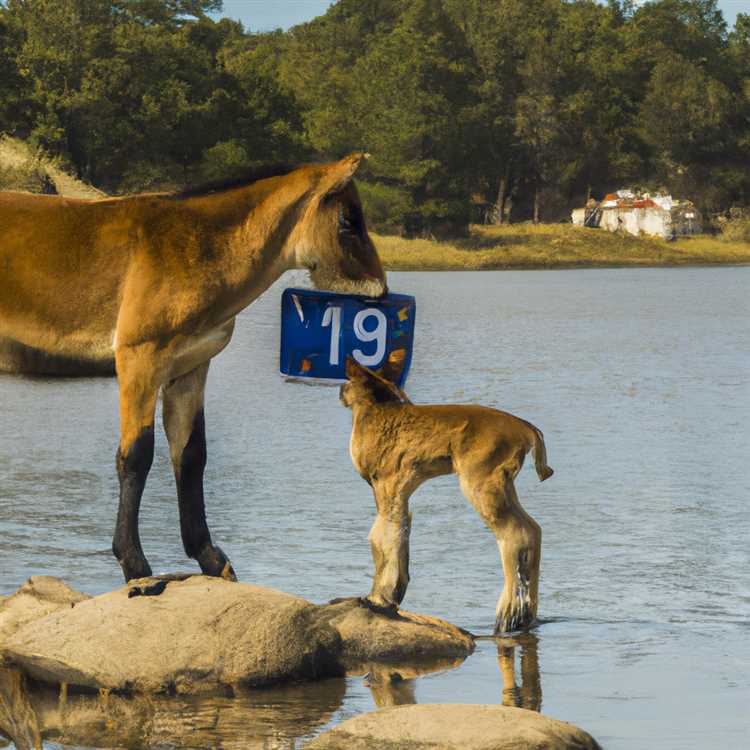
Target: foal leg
x=138, y=384
x=519, y=539
x=389, y=542
x=185, y=427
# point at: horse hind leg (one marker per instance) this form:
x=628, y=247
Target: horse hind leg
x=519, y=541
x=184, y=424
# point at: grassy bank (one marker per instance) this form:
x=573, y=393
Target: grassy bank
x=25, y=168
x=553, y=246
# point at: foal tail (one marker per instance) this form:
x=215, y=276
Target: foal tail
x=540, y=455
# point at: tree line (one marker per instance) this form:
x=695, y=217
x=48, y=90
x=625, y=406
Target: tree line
x=472, y=110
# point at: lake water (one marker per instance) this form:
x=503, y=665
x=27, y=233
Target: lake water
x=640, y=380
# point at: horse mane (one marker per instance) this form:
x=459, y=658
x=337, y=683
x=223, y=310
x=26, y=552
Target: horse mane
x=221, y=185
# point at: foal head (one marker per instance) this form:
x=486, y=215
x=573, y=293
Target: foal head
x=365, y=386
x=332, y=241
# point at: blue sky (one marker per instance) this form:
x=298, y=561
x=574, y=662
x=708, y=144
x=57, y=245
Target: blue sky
x=262, y=15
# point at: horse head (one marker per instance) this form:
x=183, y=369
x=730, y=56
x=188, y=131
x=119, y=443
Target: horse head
x=331, y=240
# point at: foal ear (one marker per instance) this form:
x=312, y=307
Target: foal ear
x=339, y=174
x=354, y=370
x=380, y=387
x=394, y=365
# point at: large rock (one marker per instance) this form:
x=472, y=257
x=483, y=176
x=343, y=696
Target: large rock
x=38, y=597
x=202, y=633
x=454, y=727
x=402, y=638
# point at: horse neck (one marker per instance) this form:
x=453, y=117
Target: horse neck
x=253, y=224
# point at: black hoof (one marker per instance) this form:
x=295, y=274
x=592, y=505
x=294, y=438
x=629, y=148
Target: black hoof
x=135, y=568
x=215, y=563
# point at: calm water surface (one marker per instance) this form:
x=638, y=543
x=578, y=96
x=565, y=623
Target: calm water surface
x=640, y=380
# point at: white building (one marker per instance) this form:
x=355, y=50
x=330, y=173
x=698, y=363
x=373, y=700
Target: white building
x=657, y=216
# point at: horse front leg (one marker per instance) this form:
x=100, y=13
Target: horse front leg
x=138, y=385
x=184, y=424
x=389, y=543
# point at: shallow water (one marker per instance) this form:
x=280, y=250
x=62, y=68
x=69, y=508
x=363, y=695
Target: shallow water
x=640, y=380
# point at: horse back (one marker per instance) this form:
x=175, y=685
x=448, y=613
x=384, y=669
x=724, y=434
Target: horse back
x=62, y=261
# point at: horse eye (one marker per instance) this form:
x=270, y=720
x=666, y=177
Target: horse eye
x=345, y=225
x=350, y=221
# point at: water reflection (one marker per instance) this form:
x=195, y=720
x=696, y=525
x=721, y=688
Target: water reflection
x=390, y=688
x=273, y=719
x=529, y=693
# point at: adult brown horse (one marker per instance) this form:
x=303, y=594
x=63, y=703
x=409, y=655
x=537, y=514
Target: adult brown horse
x=152, y=283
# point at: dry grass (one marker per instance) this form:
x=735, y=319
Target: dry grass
x=553, y=246
x=24, y=168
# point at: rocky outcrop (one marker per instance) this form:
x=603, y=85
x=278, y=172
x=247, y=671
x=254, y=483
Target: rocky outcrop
x=382, y=637
x=454, y=727
x=198, y=634
x=39, y=596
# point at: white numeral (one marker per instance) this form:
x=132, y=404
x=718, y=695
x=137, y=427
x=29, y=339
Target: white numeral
x=332, y=317
x=377, y=334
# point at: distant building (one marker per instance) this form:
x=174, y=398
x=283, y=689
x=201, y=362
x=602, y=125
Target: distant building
x=640, y=213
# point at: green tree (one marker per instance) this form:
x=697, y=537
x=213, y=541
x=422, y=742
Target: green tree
x=317, y=62
x=412, y=104
x=684, y=117
x=496, y=33
x=15, y=94
x=267, y=121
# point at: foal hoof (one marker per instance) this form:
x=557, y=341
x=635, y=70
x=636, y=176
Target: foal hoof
x=389, y=610
x=513, y=623
x=155, y=589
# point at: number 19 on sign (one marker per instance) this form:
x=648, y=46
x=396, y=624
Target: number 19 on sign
x=319, y=330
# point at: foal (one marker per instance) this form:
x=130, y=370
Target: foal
x=395, y=446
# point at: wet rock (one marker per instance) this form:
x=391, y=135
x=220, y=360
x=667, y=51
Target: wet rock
x=198, y=634
x=454, y=727
x=385, y=637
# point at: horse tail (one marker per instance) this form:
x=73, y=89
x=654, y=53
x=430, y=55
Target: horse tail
x=543, y=470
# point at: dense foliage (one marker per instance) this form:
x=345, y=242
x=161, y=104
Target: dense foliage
x=470, y=108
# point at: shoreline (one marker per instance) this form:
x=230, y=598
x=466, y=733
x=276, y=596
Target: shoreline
x=544, y=247
x=562, y=267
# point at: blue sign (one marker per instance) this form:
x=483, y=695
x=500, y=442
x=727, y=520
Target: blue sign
x=319, y=330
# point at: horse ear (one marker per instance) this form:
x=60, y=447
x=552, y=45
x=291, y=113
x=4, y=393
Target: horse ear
x=339, y=174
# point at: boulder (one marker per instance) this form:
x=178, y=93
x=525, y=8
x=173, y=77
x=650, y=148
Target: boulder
x=379, y=637
x=198, y=634
x=39, y=596
x=454, y=727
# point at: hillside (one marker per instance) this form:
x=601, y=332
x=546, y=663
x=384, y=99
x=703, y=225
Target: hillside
x=23, y=168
